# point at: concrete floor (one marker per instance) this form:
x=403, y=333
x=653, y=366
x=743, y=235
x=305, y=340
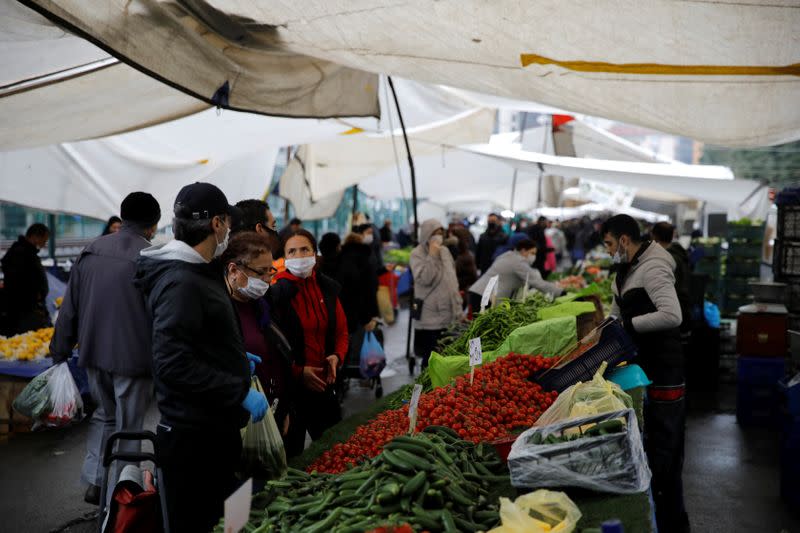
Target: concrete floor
x=730, y=475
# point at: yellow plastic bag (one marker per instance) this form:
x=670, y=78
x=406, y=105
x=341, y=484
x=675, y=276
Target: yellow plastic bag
x=587, y=399
x=543, y=511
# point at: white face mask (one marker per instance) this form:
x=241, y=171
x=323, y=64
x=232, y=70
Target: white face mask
x=301, y=266
x=255, y=288
x=221, y=246
x=531, y=259
x=438, y=239
x=368, y=239
x=621, y=256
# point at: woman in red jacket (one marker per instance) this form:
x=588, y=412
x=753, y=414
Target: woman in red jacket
x=306, y=307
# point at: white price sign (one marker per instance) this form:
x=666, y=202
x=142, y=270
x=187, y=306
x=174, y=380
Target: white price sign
x=412, y=407
x=491, y=287
x=237, y=507
x=475, y=352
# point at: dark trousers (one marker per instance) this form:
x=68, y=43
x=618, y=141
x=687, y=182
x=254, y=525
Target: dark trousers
x=425, y=341
x=314, y=413
x=199, y=469
x=664, y=434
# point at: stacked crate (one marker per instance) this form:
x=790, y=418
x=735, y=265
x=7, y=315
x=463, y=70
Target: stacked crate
x=712, y=264
x=743, y=265
x=786, y=254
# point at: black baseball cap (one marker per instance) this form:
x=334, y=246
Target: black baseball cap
x=202, y=201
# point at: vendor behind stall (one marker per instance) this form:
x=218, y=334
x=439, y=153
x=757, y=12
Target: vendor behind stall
x=26, y=282
x=646, y=300
x=514, y=269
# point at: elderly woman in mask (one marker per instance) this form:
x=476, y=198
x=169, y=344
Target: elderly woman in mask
x=437, y=301
x=307, y=308
x=248, y=273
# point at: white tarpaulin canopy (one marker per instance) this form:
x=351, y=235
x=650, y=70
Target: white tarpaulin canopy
x=721, y=72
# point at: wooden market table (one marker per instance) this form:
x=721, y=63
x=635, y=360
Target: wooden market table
x=634, y=510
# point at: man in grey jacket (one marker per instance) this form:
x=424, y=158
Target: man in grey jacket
x=514, y=269
x=104, y=313
x=646, y=300
x=435, y=286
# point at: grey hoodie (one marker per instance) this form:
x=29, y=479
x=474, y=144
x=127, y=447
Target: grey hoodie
x=435, y=282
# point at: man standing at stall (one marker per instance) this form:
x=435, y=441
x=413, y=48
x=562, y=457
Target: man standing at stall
x=488, y=242
x=201, y=372
x=645, y=299
x=663, y=233
x=105, y=314
x=25, y=281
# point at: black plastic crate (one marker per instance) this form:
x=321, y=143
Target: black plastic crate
x=754, y=234
x=786, y=259
x=757, y=405
x=614, y=346
x=743, y=268
x=745, y=250
x=789, y=222
x=712, y=266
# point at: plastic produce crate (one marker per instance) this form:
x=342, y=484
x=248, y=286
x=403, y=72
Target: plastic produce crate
x=613, y=462
x=611, y=343
x=786, y=259
x=790, y=397
x=760, y=370
x=745, y=233
x=745, y=250
x=790, y=461
x=711, y=266
x=743, y=268
x=757, y=405
x=789, y=222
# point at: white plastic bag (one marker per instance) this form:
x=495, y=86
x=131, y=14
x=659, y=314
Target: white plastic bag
x=585, y=399
x=613, y=462
x=542, y=511
x=52, y=399
x=263, y=454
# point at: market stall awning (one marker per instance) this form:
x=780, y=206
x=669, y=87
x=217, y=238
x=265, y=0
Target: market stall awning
x=708, y=183
x=663, y=64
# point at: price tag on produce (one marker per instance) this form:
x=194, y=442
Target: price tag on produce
x=491, y=287
x=412, y=407
x=237, y=508
x=475, y=357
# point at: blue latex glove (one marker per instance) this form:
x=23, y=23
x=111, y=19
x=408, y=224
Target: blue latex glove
x=253, y=359
x=256, y=404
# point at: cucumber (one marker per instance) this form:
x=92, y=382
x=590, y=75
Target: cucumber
x=448, y=522
x=416, y=483
x=327, y=523
x=423, y=518
x=413, y=460
x=443, y=431
x=395, y=461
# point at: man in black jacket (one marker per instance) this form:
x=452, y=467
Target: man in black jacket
x=26, y=282
x=200, y=369
x=105, y=313
x=663, y=233
x=493, y=237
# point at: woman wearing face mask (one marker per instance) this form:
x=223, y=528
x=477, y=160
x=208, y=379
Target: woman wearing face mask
x=437, y=301
x=248, y=272
x=307, y=308
x=514, y=268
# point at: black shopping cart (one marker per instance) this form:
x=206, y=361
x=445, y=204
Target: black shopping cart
x=351, y=368
x=109, y=457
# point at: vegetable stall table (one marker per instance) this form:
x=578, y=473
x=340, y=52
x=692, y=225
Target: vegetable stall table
x=635, y=511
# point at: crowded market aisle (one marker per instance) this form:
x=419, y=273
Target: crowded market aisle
x=730, y=477
x=39, y=491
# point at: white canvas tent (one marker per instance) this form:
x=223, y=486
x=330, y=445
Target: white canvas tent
x=721, y=72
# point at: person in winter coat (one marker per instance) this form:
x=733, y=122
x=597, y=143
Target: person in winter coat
x=25, y=281
x=663, y=233
x=514, y=269
x=308, y=310
x=105, y=314
x=248, y=272
x=358, y=279
x=255, y=215
x=437, y=301
x=200, y=368
x=330, y=249
x=645, y=299
x=488, y=242
x=466, y=269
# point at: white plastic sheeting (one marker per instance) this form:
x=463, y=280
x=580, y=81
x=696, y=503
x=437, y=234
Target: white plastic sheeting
x=721, y=72
x=235, y=151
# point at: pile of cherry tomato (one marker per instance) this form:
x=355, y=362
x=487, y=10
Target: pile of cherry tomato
x=500, y=401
